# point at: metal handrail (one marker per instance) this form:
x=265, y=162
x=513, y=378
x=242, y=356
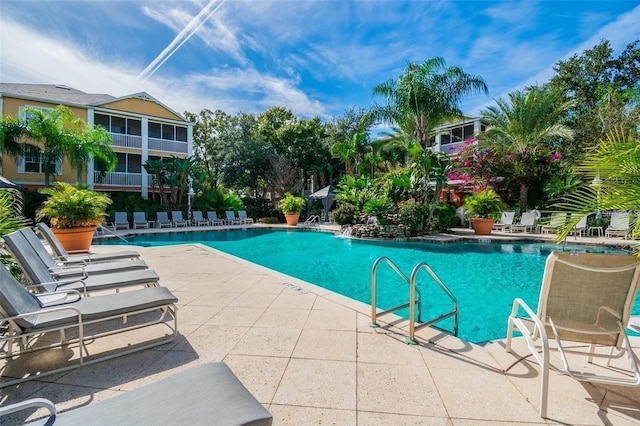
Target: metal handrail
x=105, y=229
x=412, y=289
x=374, y=289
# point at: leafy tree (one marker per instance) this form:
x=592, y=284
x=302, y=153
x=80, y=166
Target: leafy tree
x=171, y=177
x=11, y=207
x=523, y=133
x=603, y=90
x=208, y=142
x=347, y=137
x=12, y=136
x=425, y=96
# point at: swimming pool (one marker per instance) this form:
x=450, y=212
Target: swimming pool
x=484, y=277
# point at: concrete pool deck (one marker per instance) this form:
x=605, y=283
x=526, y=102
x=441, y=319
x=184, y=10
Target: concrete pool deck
x=310, y=357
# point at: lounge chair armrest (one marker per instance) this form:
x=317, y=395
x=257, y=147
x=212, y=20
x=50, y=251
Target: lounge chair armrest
x=68, y=306
x=26, y=404
x=530, y=335
x=62, y=271
x=56, y=299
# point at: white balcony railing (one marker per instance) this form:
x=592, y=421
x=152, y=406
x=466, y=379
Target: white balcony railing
x=167, y=145
x=118, y=179
x=127, y=141
x=450, y=148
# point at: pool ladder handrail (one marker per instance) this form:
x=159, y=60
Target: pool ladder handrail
x=413, y=300
x=105, y=230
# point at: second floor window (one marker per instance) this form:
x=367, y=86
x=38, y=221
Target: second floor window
x=31, y=161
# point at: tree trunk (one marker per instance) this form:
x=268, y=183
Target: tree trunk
x=524, y=192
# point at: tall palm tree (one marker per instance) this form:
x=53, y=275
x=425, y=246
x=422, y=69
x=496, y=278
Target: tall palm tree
x=425, y=96
x=89, y=142
x=12, y=137
x=524, y=129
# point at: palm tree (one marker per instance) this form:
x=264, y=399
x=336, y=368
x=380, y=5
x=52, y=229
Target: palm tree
x=425, y=96
x=523, y=129
x=12, y=137
x=613, y=168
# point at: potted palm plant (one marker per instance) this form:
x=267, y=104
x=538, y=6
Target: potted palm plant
x=485, y=205
x=291, y=206
x=74, y=213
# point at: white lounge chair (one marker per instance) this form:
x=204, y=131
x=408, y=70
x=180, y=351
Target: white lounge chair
x=140, y=220
x=197, y=219
x=24, y=317
x=232, y=219
x=505, y=222
x=585, y=303
x=213, y=218
x=162, y=220
x=527, y=223
x=242, y=215
x=62, y=254
x=120, y=221
x=620, y=225
x=557, y=221
x=177, y=219
x=580, y=228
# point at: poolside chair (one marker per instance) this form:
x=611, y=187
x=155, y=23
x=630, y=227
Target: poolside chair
x=177, y=219
x=197, y=219
x=580, y=228
x=140, y=220
x=213, y=218
x=162, y=220
x=60, y=252
x=120, y=221
x=557, y=221
x=232, y=219
x=204, y=394
x=620, y=225
x=505, y=222
x=242, y=215
x=585, y=299
x=527, y=223
x=25, y=240
x=25, y=317
x=46, y=281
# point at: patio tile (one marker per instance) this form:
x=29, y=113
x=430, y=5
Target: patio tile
x=254, y=299
x=236, y=315
x=278, y=342
x=385, y=349
x=366, y=418
x=213, y=342
x=344, y=319
x=260, y=375
x=333, y=345
x=398, y=389
x=295, y=416
x=283, y=318
x=318, y=383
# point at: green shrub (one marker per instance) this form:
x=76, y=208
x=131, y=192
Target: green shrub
x=346, y=214
x=444, y=217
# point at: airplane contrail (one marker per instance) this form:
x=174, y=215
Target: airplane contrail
x=183, y=36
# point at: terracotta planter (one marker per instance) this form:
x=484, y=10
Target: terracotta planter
x=292, y=218
x=482, y=226
x=76, y=240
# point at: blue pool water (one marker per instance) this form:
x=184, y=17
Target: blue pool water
x=484, y=277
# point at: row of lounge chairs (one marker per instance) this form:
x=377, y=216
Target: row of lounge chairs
x=69, y=296
x=162, y=219
x=620, y=224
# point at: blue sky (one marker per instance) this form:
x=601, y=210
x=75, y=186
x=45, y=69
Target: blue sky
x=314, y=57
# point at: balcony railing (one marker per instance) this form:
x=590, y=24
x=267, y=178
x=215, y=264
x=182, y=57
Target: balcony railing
x=127, y=141
x=450, y=148
x=118, y=179
x=167, y=145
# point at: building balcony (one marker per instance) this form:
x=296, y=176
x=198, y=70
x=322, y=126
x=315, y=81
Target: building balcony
x=168, y=145
x=118, y=179
x=126, y=141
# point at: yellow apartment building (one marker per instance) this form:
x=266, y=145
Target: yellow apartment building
x=141, y=127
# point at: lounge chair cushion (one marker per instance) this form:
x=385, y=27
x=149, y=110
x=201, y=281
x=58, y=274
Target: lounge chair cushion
x=206, y=394
x=103, y=306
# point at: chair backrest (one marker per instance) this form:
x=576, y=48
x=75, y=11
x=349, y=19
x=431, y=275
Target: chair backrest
x=528, y=219
x=53, y=241
x=29, y=261
x=212, y=215
x=230, y=215
x=162, y=217
x=139, y=217
x=197, y=216
x=620, y=220
x=558, y=219
x=575, y=287
x=507, y=218
x=177, y=216
x=582, y=224
x=16, y=300
x=36, y=245
x=242, y=214
x=121, y=217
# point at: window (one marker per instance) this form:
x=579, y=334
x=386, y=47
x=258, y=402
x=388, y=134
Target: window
x=168, y=132
x=31, y=161
x=101, y=120
x=155, y=130
x=120, y=125
x=129, y=163
x=23, y=115
x=134, y=127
